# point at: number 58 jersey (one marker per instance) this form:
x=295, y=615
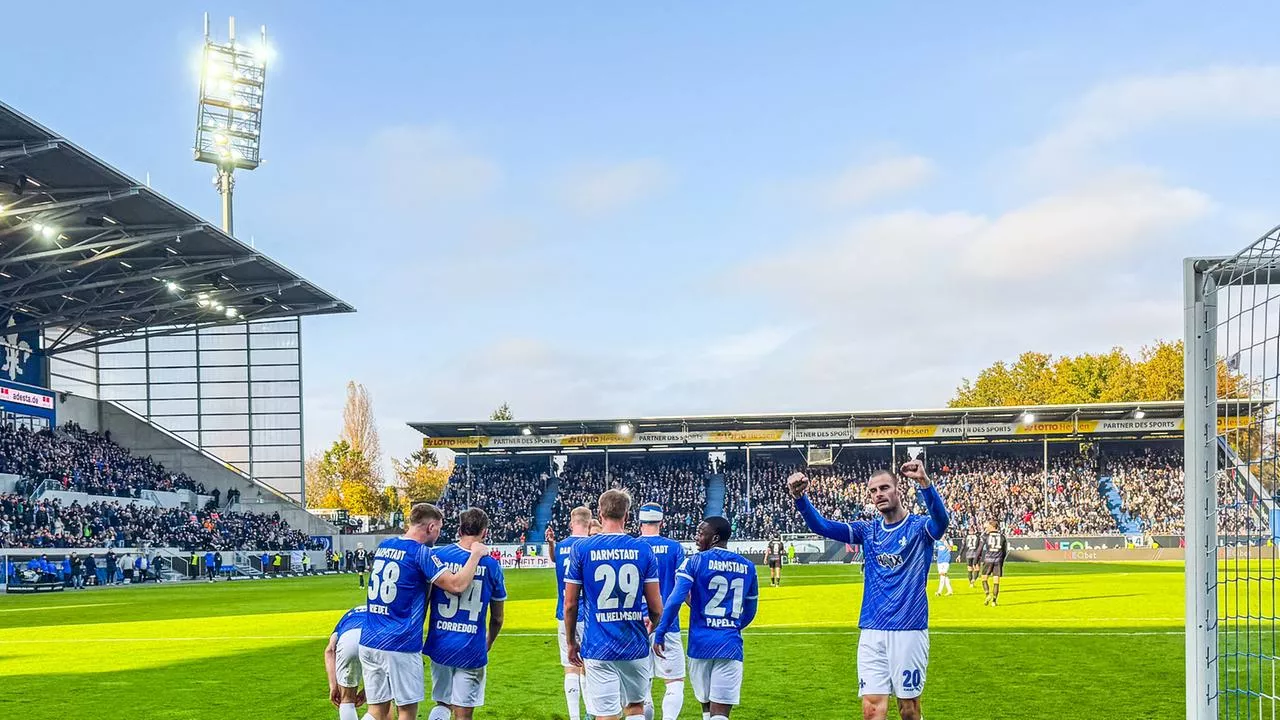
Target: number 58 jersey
x=399, y=581
x=613, y=570
x=722, y=581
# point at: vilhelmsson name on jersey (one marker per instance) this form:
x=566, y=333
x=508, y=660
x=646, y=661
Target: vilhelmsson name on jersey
x=722, y=589
x=896, y=561
x=564, y=551
x=399, y=581
x=669, y=554
x=457, y=635
x=613, y=569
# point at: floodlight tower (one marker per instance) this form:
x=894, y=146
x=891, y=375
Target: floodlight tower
x=233, y=78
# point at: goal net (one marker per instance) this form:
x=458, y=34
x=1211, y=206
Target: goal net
x=1232, y=368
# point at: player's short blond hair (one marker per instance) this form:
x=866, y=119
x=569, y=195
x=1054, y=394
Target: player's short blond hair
x=581, y=516
x=423, y=513
x=614, y=504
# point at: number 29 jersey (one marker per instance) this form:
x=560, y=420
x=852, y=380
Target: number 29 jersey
x=613, y=570
x=399, y=582
x=722, y=582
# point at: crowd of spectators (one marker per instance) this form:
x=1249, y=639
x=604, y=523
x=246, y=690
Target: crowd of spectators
x=84, y=461
x=50, y=524
x=507, y=491
x=676, y=482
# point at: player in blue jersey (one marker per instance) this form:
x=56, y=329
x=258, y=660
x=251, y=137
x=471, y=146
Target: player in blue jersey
x=893, y=645
x=342, y=663
x=400, y=577
x=560, y=552
x=670, y=666
x=458, y=642
x=943, y=550
x=723, y=590
x=611, y=572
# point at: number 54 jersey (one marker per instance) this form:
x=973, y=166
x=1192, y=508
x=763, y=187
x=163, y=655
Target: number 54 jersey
x=399, y=581
x=458, y=634
x=613, y=570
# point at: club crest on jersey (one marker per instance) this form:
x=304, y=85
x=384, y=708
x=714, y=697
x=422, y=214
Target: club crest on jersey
x=889, y=560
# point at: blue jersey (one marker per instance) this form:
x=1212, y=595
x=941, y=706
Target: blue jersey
x=403, y=570
x=670, y=555
x=613, y=570
x=352, y=619
x=944, y=551
x=457, y=635
x=896, y=561
x=564, y=550
x=723, y=590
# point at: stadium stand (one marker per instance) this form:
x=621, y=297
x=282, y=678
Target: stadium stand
x=506, y=490
x=678, y=483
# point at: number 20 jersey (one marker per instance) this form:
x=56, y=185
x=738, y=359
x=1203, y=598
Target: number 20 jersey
x=399, y=581
x=613, y=570
x=722, y=582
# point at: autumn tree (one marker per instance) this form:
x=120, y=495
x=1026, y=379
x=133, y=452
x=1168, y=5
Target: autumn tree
x=503, y=412
x=322, y=489
x=348, y=471
x=420, y=478
x=359, y=428
x=348, y=475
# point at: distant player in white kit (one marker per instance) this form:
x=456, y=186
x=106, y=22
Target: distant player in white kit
x=893, y=645
x=943, y=549
x=560, y=552
x=404, y=569
x=668, y=667
x=342, y=663
x=611, y=572
x=723, y=592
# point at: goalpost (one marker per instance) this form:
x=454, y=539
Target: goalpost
x=1232, y=374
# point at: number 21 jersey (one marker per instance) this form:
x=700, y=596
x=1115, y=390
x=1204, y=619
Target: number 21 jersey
x=613, y=570
x=723, y=581
x=399, y=581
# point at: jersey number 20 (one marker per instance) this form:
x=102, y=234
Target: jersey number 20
x=382, y=581
x=721, y=586
x=626, y=578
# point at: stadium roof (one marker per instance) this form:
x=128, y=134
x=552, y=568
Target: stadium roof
x=1027, y=420
x=85, y=248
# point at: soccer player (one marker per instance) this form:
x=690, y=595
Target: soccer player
x=670, y=666
x=773, y=558
x=943, y=549
x=362, y=561
x=995, y=548
x=403, y=570
x=610, y=572
x=595, y=529
x=893, y=645
x=560, y=553
x=724, y=593
x=971, y=551
x=342, y=663
x=457, y=641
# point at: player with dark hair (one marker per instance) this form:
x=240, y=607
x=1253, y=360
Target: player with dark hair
x=971, y=551
x=361, y=559
x=773, y=558
x=995, y=548
x=723, y=591
x=893, y=645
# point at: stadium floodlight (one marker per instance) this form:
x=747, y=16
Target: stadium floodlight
x=1028, y=417
x=233, y=79
x=1139, y=414
x=624, y=428
x=526, y=430
x=172, y=286
x=232, y=312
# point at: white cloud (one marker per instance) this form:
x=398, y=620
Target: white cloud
x=1114, y=110
x=602, y=189
x=862, y=184
x=413, y=165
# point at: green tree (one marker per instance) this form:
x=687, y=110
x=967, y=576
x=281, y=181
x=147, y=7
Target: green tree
x=503, y=412
x=420, y=478
x=350, y=481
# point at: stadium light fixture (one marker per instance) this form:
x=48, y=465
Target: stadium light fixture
x=624, y=428
x=232, y=312
x=233, y=79
x=1028, y=417
x=1139, y=414
x=526, y=430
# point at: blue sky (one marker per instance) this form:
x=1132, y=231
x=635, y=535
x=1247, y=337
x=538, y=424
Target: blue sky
x=667, y=207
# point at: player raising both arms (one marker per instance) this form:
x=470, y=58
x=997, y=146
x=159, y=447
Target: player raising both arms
x=403, y=570
x=342, y=663
x=893, y=645
x=579, y=525
x=971, y=551
x=995, y=548
x=724, y=593
x=670, y=666
x=773, y=558
x=610, y=572
x=457, y=641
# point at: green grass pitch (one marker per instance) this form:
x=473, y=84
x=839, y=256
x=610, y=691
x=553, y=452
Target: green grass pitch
x=1069, y=641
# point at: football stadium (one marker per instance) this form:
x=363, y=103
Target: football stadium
x=160, y=557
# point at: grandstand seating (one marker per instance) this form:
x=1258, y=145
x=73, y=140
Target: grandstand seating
x=507, y=490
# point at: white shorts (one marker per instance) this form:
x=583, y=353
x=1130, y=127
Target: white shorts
x=892, y=662
x=463, y=687
x=392, y=675
x=716, y=680
x=672, y=666
x=564, y=642
x=347, y=656
x=943, y=568
x=612, y=685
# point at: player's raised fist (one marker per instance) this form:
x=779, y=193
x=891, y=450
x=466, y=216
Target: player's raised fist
x=550, y=534
x=797, y=484
x=913, y=469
